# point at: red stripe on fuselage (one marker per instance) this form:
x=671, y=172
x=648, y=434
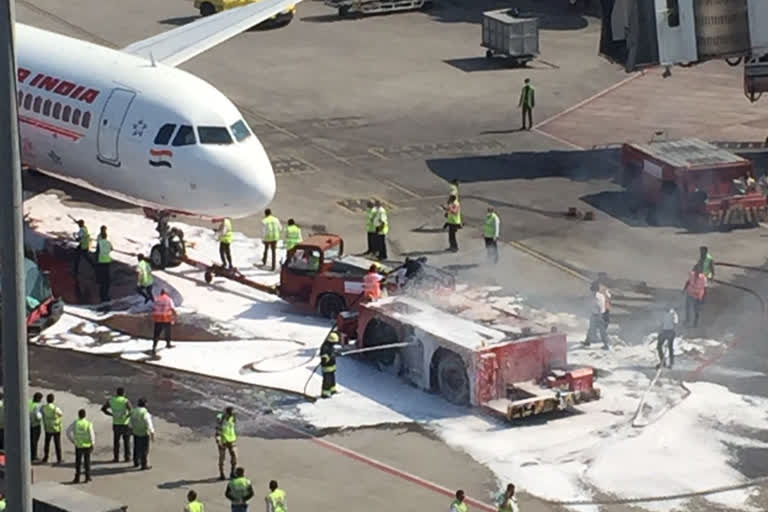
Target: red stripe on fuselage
x=37, y=123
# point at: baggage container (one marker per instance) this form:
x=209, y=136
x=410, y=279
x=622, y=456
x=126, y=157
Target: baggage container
x=514, y=37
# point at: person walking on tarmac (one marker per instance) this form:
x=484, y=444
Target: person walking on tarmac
x=103, y=264
x=35, y=422
x=163, y=315
x=226, y=437
x=276, y=498
x=381, y=224
x=370, y=228
x=328, y=365
x=667, y=337
x=507, y=502
x=491, y=228
x=527, y=103
x=695, y=288
x=144, y=279
x=226, y=236
x=458, y=504
x=292, y=235
x=52, y=423
x=272, y=229
x=193, y=504
x=119, y=407
x=83, y=238
x=597, y=317
x=143, y=432
x=452, y=211
x=81, y=434
x=239, y=491
x=707, y=263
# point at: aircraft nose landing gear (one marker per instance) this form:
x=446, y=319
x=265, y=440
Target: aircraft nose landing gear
x=170, y=251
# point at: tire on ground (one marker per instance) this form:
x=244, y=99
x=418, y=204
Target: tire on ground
x=329, y=305
x=378, y=333
x=206, y=9
x=451, y=377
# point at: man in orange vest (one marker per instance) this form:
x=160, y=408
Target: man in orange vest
x=695, y=288
x=372, y=284
x=163, y=315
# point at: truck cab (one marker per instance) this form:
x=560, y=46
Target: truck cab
x=318, y=275
x=209, y=7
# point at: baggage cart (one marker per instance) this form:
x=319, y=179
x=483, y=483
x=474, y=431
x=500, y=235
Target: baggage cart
x=506, y=34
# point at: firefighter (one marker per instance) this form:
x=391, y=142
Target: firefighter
x=452, y=211
x=144, y=279
x=527, y=103
x=163, y=316
x=292, y=235
x=103, y=264
x=370, y=228
x=83, y=238
x=225, y=236
x=226, y=439
x=372, y=284
x=491, y=228
x=328, y=365
x=272, y=229
x=381, y=223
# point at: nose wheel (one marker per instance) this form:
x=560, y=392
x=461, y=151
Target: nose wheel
x=170, y=251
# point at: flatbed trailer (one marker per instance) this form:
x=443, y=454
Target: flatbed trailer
x=466, y=362
x=347, y=7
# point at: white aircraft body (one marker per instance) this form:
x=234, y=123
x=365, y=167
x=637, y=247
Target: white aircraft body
x=130, y=125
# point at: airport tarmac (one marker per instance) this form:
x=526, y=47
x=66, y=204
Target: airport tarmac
x=391, y=107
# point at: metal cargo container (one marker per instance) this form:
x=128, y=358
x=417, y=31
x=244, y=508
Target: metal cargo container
x=508, y=35
x=722, y=28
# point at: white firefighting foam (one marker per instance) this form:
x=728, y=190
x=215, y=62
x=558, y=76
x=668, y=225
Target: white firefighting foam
x=682, y=440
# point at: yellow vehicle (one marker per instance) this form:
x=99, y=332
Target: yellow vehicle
x=209, y=7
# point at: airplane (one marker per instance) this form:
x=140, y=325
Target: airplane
x=129, y=124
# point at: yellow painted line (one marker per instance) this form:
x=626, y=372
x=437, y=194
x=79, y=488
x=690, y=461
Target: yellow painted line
x=546, y=259
x=402, y=189
x=375, y=152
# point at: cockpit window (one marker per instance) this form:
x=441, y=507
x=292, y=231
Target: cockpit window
x=185, y=136
x=240, y=131
x=164, y=134
x=214, y=135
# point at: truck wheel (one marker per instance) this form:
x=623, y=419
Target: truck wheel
x=452, y=379
x=379, y=333
x=330, y=305
x=206, y=9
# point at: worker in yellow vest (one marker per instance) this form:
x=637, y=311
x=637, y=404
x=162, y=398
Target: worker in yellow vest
x=103, y=264
x=292, y=234
x=52, y=423
x=144, y=279
x=276, y=498
x=81, y=434
x=452, y=211
x=119, y=407
x=35, y=422
x=226, y=439
x=239, y=491
x=272, y=229
x=225, y=236
x=193, y=504
x=143, y=431
x=527, y=103
x=83, y=238
x=507, y=502
x=491, y=228
x=370, y=228
x=381, y=223
x=458, y=504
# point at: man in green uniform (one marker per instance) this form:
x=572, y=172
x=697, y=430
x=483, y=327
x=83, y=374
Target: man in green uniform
x=144, y=279
x=328, y=365
x=370, y=227
x=452, y=211
x=458, y=504
x=52, y=423
x=225, y=240
x=83, y=238
x=707, y=263
x=292, y=235
x=35, y=422
x=381, y=223
x=103, y=264
x=226, y=437
x=119, y=407
x=527, y=102
x=81, y=434
x=491, y=228
x=239, y=491
x=276, y=498
x=193, y=504
x=272, y=229
x=143, y=431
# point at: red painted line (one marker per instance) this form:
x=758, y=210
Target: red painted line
x=50, y=127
